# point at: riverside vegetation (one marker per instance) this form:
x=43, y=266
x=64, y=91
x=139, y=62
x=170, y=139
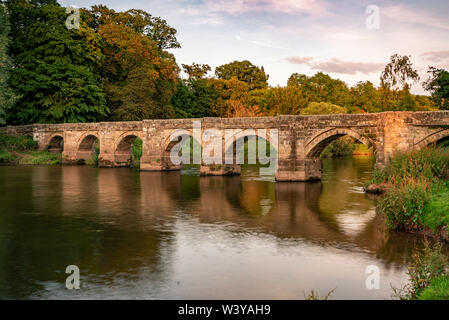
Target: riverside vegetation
x=416, y=199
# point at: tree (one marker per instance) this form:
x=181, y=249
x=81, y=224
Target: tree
x=399, y=73
x=196, y=71
x=438, y=86
x=53, y=67
x=396, y=81
x=139, y=75
x=365, y=98
x=229, y=92
x=195, y=98
x=322, y=108
x=244, y=71
x=7, y=96
x=321, y=88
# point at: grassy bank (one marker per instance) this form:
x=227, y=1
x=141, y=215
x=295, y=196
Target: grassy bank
x=428, y=275
x=417, y=196
x=23, y=150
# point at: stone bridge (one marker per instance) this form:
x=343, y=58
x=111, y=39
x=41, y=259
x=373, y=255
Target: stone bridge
x=299, y=140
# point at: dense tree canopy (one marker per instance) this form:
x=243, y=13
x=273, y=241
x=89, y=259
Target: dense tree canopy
x=7, y=96
x=244, y=71
x=438, y=86
x=53, y=67
x=116, y=66
x=139, y=76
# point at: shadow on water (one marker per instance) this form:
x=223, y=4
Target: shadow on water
x=171, y=235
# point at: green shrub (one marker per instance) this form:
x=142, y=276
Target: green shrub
x=437, y=290
x=436, y=211
x=40, y=158
x=404, y=204
x=428, y=163
x=19, y=143
x=137, y=150
x=339, y=148
x=6, y=156
x=428, y=264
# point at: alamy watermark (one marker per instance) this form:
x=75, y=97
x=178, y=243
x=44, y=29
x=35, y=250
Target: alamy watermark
x=372, y=22
x=73, y=20
x=73, y=280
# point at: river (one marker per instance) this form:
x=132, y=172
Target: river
x=150, y=235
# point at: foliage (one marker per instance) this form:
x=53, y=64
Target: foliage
x=7, y=96
x=438, y=289
x=404, y=204
x=322, y=108
x=415, y=177
x=321, y=88
x=365, y=98
x=22, y=149
x=436, y=210
x=196, y=71
x=139, y=76
x=399, y=73
x=428, y=265
x=340, y=147
x=315, y=296
x=39, y=158
x=136, y=151
x=438, y=86
x=16, y=144
x=194, y=98
x=244, y=71
x=396, y=81
x=53, y=67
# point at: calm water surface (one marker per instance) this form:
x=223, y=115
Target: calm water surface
x=179, y=236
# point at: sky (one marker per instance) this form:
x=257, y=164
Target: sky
x=351, y=40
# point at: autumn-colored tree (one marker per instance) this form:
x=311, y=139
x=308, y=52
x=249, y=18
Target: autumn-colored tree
x=244, y=71
x=365, y=98
x=322, y=108
x=229, y=91
x=139, y=75
x=284, y=100
x=195, y=70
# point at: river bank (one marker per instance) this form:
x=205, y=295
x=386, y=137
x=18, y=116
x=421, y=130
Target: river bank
x=22, y=150
x=415, y=188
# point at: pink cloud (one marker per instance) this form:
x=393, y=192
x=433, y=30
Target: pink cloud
x=312, y=7
x=436, y=56
x=335, y=65
x=299, y=60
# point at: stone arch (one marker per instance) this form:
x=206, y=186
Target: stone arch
x=316, y=145
x=56, y=143
x=123, y=148
x=433, y=138
x=168, y=145
x=238, y=138
x=86, y=146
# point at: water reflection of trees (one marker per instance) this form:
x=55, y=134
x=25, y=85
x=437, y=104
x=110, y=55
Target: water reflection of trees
x=70, y=215
x=332, y=212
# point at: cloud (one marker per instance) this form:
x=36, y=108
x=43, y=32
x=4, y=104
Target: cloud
x=335, y=65
x=236, y=7
x=436, y=56
x=414, y=16
x=299, y=60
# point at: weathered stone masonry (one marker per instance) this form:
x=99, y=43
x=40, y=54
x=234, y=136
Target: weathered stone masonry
x=300, y=139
